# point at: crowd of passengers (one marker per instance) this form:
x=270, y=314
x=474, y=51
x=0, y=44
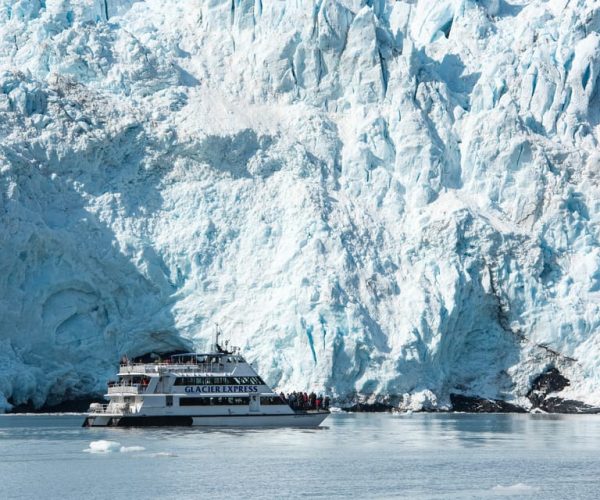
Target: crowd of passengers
x=304, y=401
x=181, y=360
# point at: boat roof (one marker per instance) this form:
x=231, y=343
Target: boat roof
x=204, y=354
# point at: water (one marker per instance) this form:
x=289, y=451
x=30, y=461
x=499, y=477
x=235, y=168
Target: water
x=355, y=455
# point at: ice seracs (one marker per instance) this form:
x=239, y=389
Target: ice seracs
x=381, y=199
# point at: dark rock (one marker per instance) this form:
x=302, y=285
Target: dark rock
x=545, y=383
x=560, y=405
x=369, y=408
x=475, y=404
x=553, y=381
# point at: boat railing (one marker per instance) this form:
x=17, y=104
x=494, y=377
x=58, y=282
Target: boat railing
x=125, y=369
x=98, y=408
x=126, y=388
x=120, y=408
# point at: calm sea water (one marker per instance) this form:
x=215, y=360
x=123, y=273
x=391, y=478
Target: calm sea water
x=353, y=455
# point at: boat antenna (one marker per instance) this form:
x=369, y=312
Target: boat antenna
x=218, y=332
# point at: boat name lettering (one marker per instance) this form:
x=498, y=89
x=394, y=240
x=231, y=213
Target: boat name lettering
x=221, y=388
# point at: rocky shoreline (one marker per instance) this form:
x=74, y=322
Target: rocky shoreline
x=549, y=382
x=460, y=404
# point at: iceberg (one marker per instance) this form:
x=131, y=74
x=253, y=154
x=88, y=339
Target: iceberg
x=390, y=201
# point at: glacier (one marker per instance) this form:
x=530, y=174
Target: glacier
x=384, y=200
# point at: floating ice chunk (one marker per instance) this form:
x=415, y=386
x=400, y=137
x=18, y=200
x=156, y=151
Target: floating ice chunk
x=103, y=446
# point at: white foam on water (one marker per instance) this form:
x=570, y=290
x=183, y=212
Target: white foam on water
x=131, y=449
x=515, y=489
x=103, y=446
x=164, y=454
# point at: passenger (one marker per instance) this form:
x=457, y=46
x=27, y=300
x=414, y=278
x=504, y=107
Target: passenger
x=326, y=403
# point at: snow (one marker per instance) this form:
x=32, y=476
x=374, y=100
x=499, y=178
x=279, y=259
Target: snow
x=372, y=198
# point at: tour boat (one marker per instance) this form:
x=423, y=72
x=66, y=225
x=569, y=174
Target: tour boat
x=217, y=389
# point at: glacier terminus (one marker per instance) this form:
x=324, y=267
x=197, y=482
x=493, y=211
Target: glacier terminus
x=386, y=201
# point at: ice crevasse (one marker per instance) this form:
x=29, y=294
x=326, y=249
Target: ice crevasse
x=383, y=200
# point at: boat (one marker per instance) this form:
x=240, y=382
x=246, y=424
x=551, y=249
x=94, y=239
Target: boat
x=215, y=389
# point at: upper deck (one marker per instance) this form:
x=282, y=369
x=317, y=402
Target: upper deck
x=190, y=363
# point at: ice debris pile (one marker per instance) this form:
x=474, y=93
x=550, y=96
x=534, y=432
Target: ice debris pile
x=385, y=200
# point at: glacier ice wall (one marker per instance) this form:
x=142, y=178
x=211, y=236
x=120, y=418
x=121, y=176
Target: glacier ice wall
x=375, y=198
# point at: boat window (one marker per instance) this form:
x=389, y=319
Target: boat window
x=213, y=401
x=184, y=381
x=194, y=401
x=271, y=400
x=230, y=401
x=218, y=381
x=169, y=400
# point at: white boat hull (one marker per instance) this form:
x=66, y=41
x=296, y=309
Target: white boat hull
x=293, y=420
